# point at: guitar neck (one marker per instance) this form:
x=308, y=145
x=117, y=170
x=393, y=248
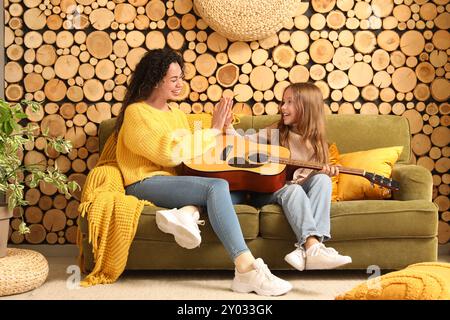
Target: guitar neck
x=316, y=166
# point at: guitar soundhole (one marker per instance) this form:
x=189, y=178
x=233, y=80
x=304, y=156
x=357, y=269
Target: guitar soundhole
x=239, y=162
x=258, y=157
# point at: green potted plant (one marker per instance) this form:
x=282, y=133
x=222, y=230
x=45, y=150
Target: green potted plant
x=14, y=134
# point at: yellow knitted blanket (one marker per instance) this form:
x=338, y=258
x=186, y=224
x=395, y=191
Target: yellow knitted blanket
x=112, y=216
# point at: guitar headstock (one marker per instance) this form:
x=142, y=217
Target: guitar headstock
x=382, y=181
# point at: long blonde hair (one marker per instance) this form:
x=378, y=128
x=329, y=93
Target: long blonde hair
x=308, y=101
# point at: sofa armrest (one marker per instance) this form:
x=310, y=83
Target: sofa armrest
x=416, y=182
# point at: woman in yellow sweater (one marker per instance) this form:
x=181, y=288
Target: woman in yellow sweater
x=154, y=137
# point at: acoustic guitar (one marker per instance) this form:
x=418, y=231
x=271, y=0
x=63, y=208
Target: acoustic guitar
x=251, y=166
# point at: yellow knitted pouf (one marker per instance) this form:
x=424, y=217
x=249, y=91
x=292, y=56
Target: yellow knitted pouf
x=22, y=270
x=246, y=20
x=420, y=281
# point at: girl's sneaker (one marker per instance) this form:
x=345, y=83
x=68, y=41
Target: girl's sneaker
x=297, y=258
x=319, y=257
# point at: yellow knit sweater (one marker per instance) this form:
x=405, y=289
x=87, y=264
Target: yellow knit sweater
x=152, y=142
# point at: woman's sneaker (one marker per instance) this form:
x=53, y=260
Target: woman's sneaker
x=183, y=224
x=259, y=280
x=297, y=258
x=319, y=257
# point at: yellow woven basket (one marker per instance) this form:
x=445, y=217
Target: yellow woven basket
x=22, y=270
x=246, y=20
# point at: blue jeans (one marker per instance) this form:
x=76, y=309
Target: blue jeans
x=306, y=206
x=179, y=191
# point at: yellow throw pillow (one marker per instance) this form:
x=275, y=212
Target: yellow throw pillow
x=379, y=161
x=333, y=154
x=420, y=281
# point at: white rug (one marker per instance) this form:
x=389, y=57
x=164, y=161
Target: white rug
x=184, y=285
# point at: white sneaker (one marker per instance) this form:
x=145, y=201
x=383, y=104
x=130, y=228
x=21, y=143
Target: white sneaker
x=183, y=224
x=319, y=257
x=259, y=280
x=297, y=258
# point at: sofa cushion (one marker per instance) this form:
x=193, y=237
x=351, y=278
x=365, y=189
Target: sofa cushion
x=261, y=122
x=105, y=130
x=148, y=230
x=245, y=122
x=362, y=220
x=363, y=132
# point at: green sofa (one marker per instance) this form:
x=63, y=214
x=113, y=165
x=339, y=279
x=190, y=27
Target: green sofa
x=388, y=233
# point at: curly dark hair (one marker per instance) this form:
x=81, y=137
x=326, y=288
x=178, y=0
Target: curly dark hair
x=148, y=73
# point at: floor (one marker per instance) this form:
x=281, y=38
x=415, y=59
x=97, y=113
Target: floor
x=62, y=283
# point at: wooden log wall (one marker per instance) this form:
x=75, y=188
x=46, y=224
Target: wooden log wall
x=367, y=57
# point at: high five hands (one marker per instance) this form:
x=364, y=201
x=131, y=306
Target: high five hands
x=222, y=115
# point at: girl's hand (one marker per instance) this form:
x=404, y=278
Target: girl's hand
x=330, y=171
x=229, y=118
x=221, y=113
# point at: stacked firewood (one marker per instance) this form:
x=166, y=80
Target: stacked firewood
x=367, y=57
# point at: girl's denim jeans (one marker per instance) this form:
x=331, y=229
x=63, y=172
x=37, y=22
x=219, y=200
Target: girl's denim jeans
x=306, y=206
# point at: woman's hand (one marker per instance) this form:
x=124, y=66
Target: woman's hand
x=222, y=113
x=330, y=171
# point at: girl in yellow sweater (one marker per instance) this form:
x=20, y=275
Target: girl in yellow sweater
x=153, y=138
x=306, y=199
